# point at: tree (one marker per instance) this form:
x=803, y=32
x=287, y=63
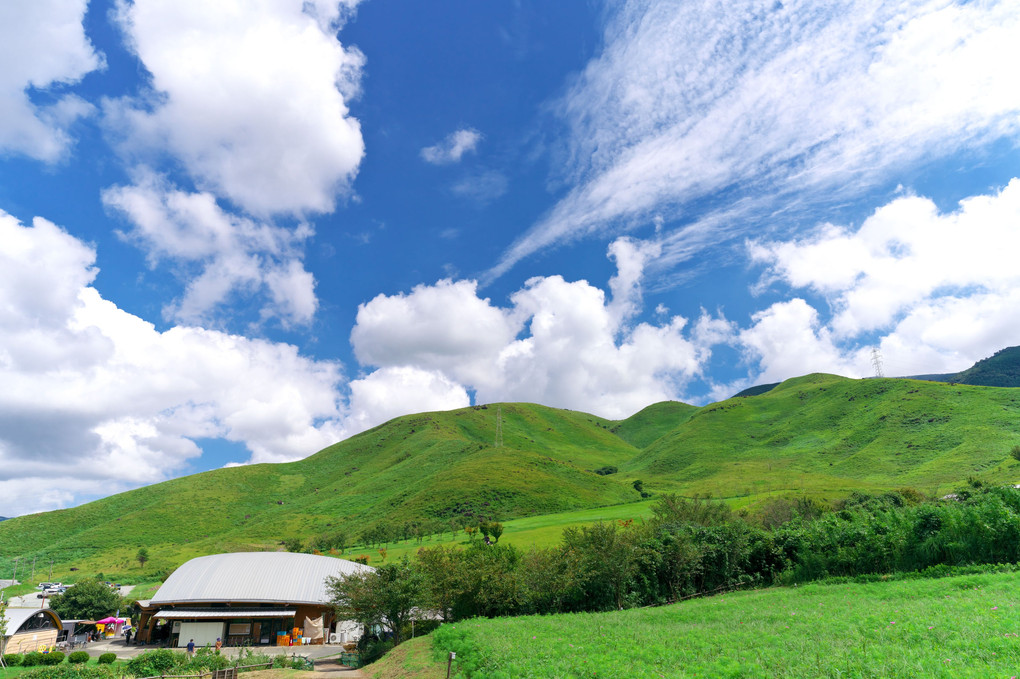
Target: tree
x=142, y=556
x=386, y=596
x=495, y=530
x=3, y=630
x=86, y=600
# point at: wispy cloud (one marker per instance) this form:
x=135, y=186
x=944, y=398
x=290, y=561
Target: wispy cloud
x=453, y=148
x=482, y=187
x=756, y=102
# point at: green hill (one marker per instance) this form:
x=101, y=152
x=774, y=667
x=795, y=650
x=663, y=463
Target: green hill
x=823, y=434
x=820, y=435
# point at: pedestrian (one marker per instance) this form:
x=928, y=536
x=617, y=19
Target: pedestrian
x=191, y=648
x=127, y=637
x=219, y=645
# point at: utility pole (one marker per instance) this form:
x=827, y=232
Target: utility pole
x=876, y=362
x=33, y=568
x=499, y=426
x=51, y=568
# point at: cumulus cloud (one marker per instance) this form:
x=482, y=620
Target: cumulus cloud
x=558, y=342
x=935, y=291
x=393, y=391
x=250, y=98
x=756, y=101
x=453, y=148
x=42, y=48
x=226, y=254
x=96, y=399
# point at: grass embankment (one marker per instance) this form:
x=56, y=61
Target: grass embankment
x=965, y=626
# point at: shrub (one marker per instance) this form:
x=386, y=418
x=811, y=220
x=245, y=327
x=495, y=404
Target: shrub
x=78, y=657
x=106, y=658
x=152, y=663
x=207, y=661
x=69, y=672
x=281, y=661
x=52, y=658
x=1014, y=452
x=12, y=659
x=32, y=659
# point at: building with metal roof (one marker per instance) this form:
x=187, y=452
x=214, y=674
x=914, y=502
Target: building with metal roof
x=245, y=598
x=30, y=629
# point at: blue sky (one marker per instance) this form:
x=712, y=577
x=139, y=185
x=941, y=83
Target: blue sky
x=237, y=232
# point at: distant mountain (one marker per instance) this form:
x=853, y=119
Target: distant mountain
x=1002, y=369
x=4, y=518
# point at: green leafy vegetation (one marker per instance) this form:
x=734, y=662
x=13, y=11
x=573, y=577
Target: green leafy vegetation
x=86, y=600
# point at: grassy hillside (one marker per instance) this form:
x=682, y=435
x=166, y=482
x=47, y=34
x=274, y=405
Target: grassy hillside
x=820, y=435
x=429, y=465
x=828, y=435
x=942, y=628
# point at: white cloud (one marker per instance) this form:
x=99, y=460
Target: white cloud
x=934, y=291
x=96, y=400
x=251, y=97
x=42, y=48
x=761, y=100
x=453, y=148
x=482, y=187
x=231, y=255
x=558, y=343
x=394, y=391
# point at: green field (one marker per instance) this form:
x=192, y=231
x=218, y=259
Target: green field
x=820, y=436
x=965, y=626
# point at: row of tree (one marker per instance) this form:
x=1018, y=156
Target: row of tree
x=689, y=547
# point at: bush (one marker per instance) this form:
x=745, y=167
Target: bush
x=207, y=661
x=78, y=657
x=32, y=659
x=69, y=672
x=153, y=663
x=52, y=658
x=12, y=659
x=106, y=658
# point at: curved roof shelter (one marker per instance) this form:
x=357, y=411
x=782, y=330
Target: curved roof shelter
x=27, y=619
x=254, y=577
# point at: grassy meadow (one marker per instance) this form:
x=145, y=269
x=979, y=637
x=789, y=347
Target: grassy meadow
x=964, y=626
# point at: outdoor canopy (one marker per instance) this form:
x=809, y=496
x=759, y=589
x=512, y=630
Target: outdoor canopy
x=110, y=621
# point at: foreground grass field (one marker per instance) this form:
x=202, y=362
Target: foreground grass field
x=965, y=626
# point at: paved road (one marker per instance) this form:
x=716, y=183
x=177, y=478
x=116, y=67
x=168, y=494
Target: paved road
x=32, y=600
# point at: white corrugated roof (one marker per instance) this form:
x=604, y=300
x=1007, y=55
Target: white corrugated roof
x=280, y=577
x=16, y=617
x=231, y=612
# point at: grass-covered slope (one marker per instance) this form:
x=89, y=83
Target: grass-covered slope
x=945, y=628
x=828, y=434
x=414, y=467
x=819, y=434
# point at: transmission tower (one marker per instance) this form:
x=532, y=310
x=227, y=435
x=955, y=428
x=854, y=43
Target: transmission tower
x=876, y=362
x=499, y=426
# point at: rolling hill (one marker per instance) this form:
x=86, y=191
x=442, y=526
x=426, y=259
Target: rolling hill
x=821, y=435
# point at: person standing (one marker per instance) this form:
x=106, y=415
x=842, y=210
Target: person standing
x=191, y=648
x=127, y=637
x=219, y=645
